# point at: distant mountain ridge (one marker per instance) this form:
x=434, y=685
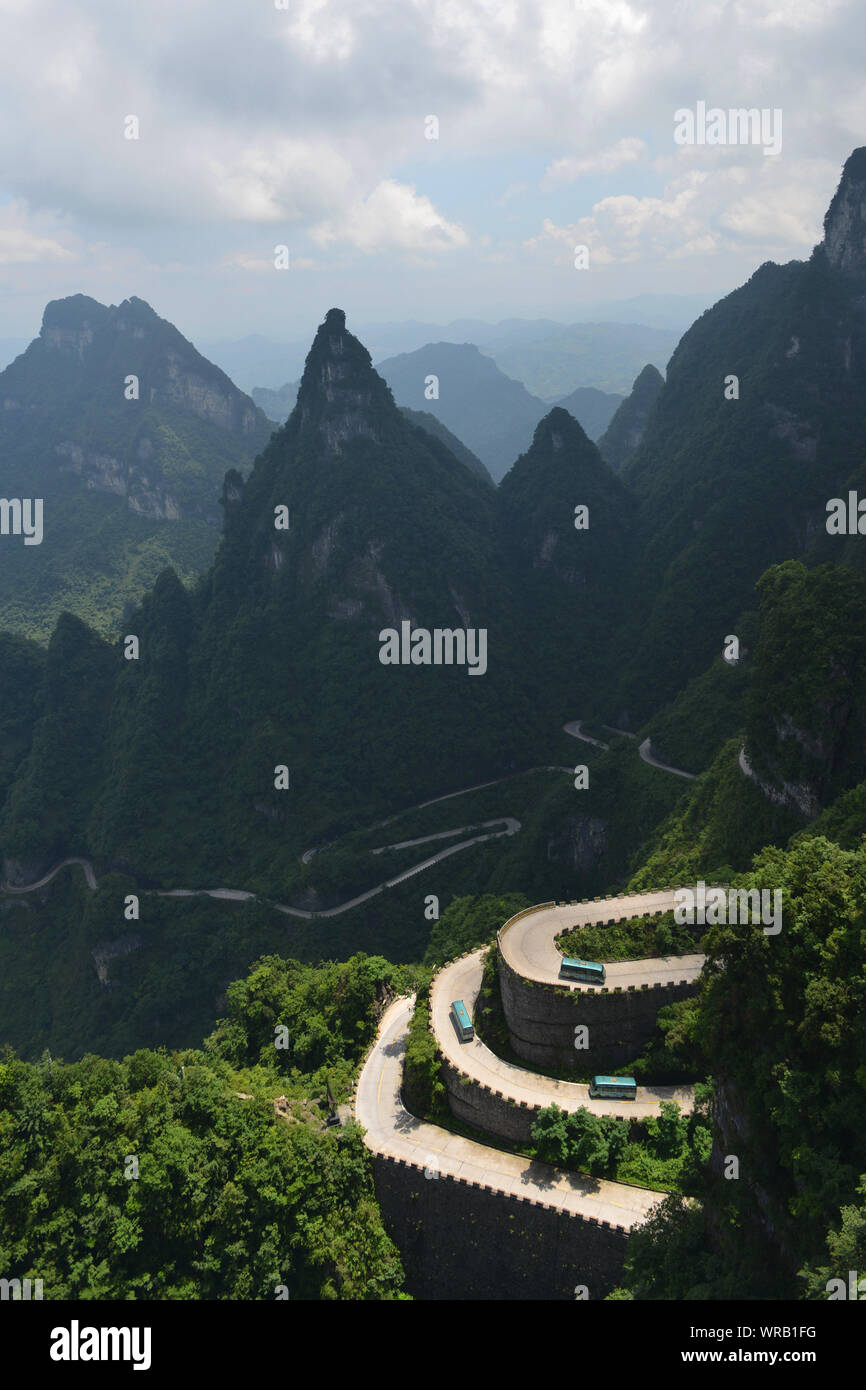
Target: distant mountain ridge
x=607, y=356
x=115, y=420
x=493, y=415
x=428, y=422
x=484, y=396
x=593, y=409
x=613, y=339
x=277, y=405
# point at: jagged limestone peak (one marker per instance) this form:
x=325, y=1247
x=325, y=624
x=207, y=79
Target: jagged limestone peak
x=845, y=222
x=340, y=393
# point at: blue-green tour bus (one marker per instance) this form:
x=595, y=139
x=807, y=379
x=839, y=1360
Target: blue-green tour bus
x=588, y=971
x=463, y=1022
x=613, y=1088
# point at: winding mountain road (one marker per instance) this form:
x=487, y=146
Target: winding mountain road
x=528, y=945
x=510, y=823
x=392, y=1132
x=574, y=727
x=528, y=942
x=646, y=754
x=461, y=979
x=89, y=875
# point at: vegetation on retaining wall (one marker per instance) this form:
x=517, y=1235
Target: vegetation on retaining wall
x=423, y=1089
x=640, y=938
x=667, y=1154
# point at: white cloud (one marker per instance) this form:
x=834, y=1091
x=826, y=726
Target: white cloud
x=702, y=212
x=289, y=180
x=306, y=126
x=393, y=217
x=626, y=228
x=24, y=242
x=797, y=15
x=566, y=170
x=320, y=29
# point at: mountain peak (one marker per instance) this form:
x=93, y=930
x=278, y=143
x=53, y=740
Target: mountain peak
x=340, y=393
x=626, y=429
x=74, y=312
x=845, y=222
x=560, y=429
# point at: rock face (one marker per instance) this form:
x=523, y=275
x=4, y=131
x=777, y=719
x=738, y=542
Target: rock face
x=107, y=951
x=224, y=407
x=733, y=1139
x=580, y=844
x=18, y=872
x=340, y=394
x=113, y=393
x=144, y=493
x=845, y=222
x=134, y=337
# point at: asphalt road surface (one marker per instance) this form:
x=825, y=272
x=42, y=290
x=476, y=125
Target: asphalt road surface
x=529, y=947
x=462, y=980
x=391, y=1130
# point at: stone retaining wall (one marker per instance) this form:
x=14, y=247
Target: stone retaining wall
x=468, y=1241
x=541, y=1019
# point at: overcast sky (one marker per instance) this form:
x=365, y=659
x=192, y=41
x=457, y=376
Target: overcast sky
x=305, y=126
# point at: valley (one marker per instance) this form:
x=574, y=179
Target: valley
x=286, y=899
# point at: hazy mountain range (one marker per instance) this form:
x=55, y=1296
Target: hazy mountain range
x=472, y=399
x=125, y=432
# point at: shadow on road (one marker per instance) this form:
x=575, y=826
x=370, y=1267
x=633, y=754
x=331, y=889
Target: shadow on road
x=542, y=1176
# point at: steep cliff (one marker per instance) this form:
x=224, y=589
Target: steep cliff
x=124, y=432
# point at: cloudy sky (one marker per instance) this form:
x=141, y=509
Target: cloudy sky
x=305, y=123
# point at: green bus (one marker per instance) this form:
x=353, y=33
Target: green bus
x=588, y=971
x=462, y=1021
x=613, y=1088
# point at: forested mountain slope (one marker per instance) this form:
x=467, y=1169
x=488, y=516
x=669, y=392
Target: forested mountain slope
x=124, y=431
